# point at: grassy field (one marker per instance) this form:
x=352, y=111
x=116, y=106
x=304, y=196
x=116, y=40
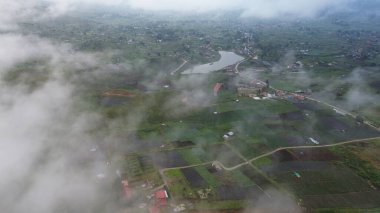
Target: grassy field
x=337, y=177
x=179, y=187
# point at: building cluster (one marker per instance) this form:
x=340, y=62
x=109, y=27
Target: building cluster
x=295, y=67
x=254, y=88
x=292, y=96
x=157, y=201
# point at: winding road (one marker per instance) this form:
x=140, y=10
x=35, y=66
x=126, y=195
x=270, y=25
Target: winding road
x=293, y=147
x=250, y=161
x=237, y=65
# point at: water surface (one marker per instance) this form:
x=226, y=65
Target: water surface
x=226, y=59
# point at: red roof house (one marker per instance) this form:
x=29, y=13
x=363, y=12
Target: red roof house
x=217, y=88
x=161, y=198
x=127, y=189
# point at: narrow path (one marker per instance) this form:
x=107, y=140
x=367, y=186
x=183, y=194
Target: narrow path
x=238, y=64
x=185, y=167
x=268, y=154
x=250, y=162
x=253, y=167
x=293, y=147
x=180, y=66
x=318, y=101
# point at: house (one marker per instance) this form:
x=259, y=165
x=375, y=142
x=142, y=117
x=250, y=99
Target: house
x=299, y=97
x=248, y=92
x=160, y=201
x=161, y=198
x=314, y=141
x=280, y=93
x=297, y=175
x=217, y=88
x=252, y=89
x=127, y=189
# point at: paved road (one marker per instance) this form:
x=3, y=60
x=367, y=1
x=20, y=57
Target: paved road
x=292, y=147
x=180, y=66
x=325, y=103
x=185, y=167
x=344, y=111
x=237, y=66
x=218, y=163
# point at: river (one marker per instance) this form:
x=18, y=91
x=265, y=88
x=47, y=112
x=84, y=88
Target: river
x=226, y=59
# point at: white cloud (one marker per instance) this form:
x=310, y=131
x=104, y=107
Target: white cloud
x=255, y=8
x=45, y=161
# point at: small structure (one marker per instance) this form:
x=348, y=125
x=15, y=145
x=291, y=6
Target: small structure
x=359, y=120
x=217, y=165
x=297, y=175
x=180, y=208
x=340, y=112
x=127, y=189
x=217, y=88
x=249, y=92
x=299, y=97
x=314, y=141
x=204, y=193
x=94, y=149
x=161, y=198
x=160, y=201
x=101, y=176
x=280, y=93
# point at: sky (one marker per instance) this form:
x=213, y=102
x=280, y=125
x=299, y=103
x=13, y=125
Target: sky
x=13, y=11
x=254, y=8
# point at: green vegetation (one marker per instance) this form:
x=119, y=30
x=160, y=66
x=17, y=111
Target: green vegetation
x=348, y=210
x=212, y=181
x=263, y=161
x=220, y=205
x=140, y=168
x=179, y=187
x=241, y=179
x=363, y=168
x=190, y=157
x=166, y=108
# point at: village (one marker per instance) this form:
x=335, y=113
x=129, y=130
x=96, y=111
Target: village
x=178, y=177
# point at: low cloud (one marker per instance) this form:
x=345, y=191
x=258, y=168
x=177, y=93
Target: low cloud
x=359, y=95
x=279, y=202
x=18, y=48
x=46, y=138
x=192, y=95
x=250, y=8
x=13, y=12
